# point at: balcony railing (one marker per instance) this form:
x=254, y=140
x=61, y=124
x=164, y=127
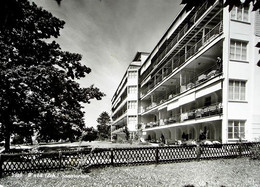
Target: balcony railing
x=201, y=78
x=119, y=115
x=183, y=31
x=177, y=62
x=178, y=36
x=119, y=130
x=154, y=104
x=202, y=112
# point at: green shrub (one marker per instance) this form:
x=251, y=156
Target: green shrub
x=119, y=140
x=255, y=152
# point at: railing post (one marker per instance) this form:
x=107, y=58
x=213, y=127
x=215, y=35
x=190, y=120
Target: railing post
x=1, y=169
x=60, y=156
x=240, y=149
x=198, y=152
x=157, y=155
x=112, y=157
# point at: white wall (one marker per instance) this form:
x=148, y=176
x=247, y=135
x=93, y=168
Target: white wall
x=249, y=110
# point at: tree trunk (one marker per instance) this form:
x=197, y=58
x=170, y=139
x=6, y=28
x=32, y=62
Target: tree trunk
x=7, y=141
x=31, y=141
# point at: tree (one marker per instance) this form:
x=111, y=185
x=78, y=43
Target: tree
x=89, y=134
x=189, y=4
x=127, y=133
x=39, y=92
x=103, y=127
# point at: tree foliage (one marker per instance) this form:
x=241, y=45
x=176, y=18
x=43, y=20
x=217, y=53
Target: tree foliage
x=103, y=125
x=127, y=133
x=37, y=79
x=103, y=119
x=89, y=134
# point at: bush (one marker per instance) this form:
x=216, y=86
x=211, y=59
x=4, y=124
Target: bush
x=255, y=153
x=119, y=140
x=18, y=139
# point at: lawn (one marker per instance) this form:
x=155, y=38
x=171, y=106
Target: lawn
x=222, y=172
x=96, y=144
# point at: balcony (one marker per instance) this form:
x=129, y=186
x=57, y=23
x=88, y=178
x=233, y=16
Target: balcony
x=198, y=113
x=119, y=104
x=152, y=124
x=119, y=116
x=200, y=79
x=176, y=62
x=154, y=104
x=118, y=131
x=181, y=34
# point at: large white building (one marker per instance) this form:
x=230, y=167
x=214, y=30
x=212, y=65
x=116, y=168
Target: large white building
x=202, y=78
x=125, y=100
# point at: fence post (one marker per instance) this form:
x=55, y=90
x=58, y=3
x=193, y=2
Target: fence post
x=112, y=157
x=198, y=152
x=156, y=155
x=240, y=149
x=60, y=156
x=1, y=163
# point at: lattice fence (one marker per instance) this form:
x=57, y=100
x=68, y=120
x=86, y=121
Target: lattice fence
x=41, y=162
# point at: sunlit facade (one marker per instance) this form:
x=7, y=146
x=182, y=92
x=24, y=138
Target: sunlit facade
x=125, y=100
x=201, y=78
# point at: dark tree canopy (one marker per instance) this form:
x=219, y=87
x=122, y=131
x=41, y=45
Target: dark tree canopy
x=103, y=125
x=89, y=134
x=127, y=133
x=103, y=118
x=38, y=92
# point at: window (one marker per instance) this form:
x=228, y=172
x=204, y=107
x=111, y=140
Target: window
x=240, y=14
x=236, y=129
x=132, y=74
x=132, y=120
x=238, y=50
x=237, y=90
x=132, y=67
x=257, y=23
x=132, y=105
x=132, y=90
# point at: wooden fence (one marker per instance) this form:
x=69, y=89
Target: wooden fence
x=41, y=162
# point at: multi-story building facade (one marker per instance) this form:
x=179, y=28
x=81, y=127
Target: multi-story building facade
x=201, y=78
x=125, y=100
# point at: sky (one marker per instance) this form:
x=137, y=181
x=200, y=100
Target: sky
x=108, y=33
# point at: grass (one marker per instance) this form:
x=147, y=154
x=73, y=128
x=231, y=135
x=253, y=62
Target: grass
x=96, y=144
x=222, y=172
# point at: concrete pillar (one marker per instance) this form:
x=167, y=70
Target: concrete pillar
x=166, y=133
x=158, y=134
x=225, y=64
x=179, y=132
x=173, y=133
x=180, y=78
x=192, y=131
